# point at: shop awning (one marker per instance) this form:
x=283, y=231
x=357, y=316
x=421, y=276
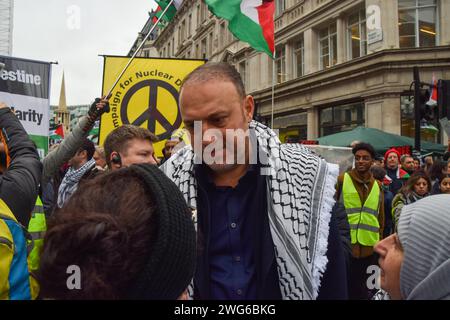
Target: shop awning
x=380, y=140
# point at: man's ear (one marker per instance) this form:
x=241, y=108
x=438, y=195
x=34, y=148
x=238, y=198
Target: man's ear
x=249, y=108
x=83, y=153
x=115, y=160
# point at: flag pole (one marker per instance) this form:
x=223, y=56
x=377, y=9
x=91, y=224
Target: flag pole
x=138, y=49
x=273, y=88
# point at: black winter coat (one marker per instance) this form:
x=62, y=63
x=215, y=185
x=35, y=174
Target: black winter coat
x=344, y=230
x=20, y=182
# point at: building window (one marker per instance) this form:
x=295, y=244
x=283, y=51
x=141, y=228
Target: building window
x=168, y=49
x=280, y=62
x=189, y=26
x=417, y=23
x=173, y=47
x=341, y=118
x=280, y=6
x=357, y=34
x=146, y=54
x=204, y=48
x=328, y=46
x=199, y=21
x=203, y=12
x=299, y=57
x=292, y=127
x=183, y=31
x=223, y=35
x=210, y=44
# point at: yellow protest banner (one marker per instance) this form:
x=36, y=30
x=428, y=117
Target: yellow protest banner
x=146, y=95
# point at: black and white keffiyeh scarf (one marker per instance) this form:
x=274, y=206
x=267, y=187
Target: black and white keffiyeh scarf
x=70, y=181
x=300, y=189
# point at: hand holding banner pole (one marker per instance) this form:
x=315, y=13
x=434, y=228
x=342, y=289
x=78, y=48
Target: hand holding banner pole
x=138, y=49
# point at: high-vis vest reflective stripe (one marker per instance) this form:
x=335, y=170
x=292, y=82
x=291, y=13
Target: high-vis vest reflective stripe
x=36, y=229
x=363, y=219
x=15, y=280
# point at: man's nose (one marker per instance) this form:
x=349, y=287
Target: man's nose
x=152, y=160
x=206, y=140
x=378, y=248
x=381, y=246
x=208, y=135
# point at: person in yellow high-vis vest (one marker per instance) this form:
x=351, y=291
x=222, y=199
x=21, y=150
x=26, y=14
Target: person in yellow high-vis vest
x=360, y=195
x=36, y=230
x=20, y=172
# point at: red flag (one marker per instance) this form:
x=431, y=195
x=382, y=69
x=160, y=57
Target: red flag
x=60, y=131
x=266, y=11
x=434, y=93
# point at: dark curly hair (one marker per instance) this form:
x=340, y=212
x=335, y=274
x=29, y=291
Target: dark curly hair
x=106, y=230
x=364, y=146
x=89, y=146
x=416, y=176
x=378, y=172
x=436, y=170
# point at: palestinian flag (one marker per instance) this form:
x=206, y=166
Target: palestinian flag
x=251, y=21
x=58, y=133
x=170, y=13
x=157, y=14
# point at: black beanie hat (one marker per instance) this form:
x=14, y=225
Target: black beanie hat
x=171, y=263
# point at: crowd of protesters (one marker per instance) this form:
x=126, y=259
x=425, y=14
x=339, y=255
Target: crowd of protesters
x=138, y=227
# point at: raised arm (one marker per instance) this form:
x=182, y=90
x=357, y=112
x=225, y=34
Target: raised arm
x=67, y=149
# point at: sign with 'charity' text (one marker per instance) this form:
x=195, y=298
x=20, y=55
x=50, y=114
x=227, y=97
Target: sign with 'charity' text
x=25, y=88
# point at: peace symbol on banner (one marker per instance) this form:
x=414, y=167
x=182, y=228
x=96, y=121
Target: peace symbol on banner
x=152, y=113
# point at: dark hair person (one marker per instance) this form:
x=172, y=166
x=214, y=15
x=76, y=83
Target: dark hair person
x=364, y=146
x=437, y=171
x=130, y=233
x=417, y=187
x=444, y=184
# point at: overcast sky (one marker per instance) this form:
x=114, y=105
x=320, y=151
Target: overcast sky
x=74, y=33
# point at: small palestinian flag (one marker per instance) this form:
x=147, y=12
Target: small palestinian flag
x=171, y=11
x=57, y=133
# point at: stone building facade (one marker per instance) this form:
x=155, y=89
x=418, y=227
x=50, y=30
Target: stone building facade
x=338, y=64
